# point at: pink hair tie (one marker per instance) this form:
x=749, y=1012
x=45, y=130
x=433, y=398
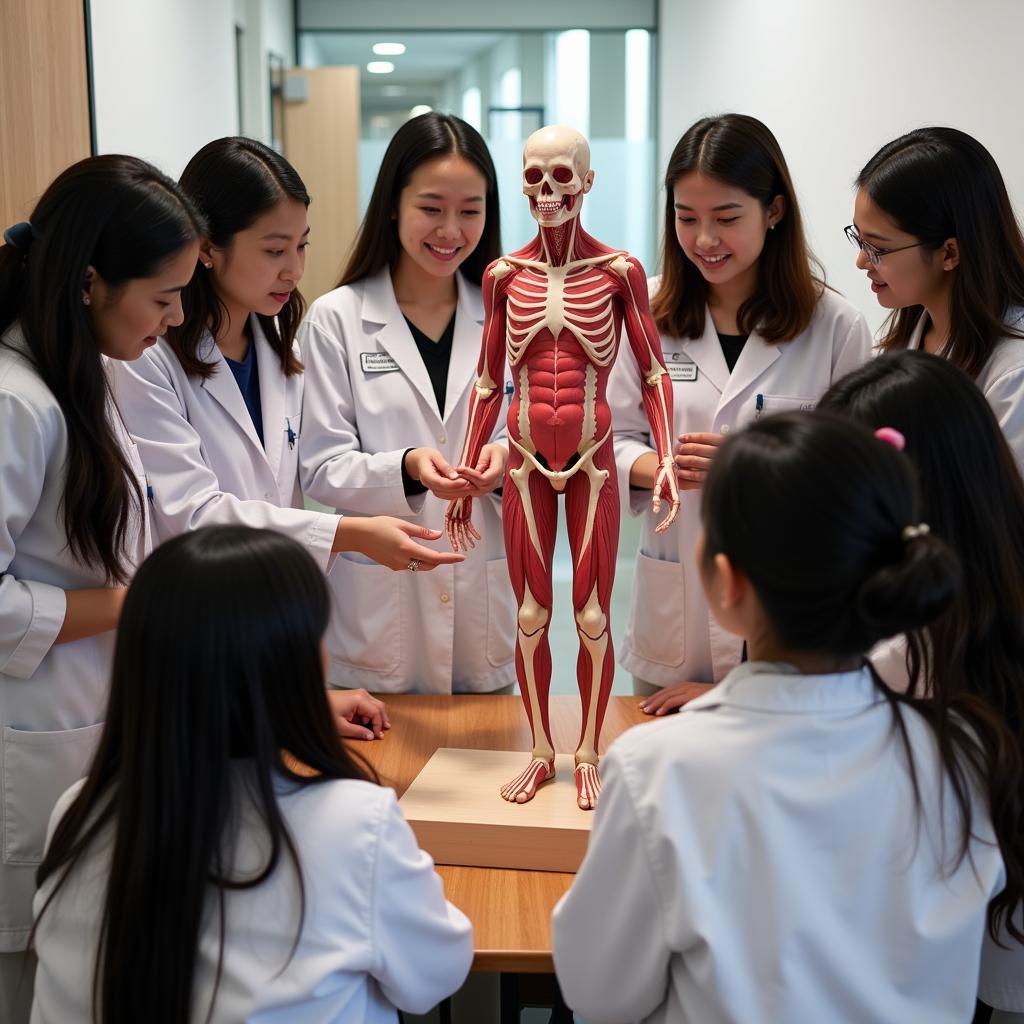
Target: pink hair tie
x=891, y=436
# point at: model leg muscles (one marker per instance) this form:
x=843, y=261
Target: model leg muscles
x=592, y=514
x=530, y=514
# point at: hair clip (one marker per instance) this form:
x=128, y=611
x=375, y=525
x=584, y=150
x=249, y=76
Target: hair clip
x=911, y=532
x=890, y=435
x=20, y=235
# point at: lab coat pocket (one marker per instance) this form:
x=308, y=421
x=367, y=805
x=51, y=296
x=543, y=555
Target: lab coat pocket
x=659, y=607
x=765, y=405
x=367, y=623
x=37, y=768
x=501, y=614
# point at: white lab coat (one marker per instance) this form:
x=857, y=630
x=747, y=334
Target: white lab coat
x=201, y=451
x=758, y=859
x=52, y=699
x=670, y=637
x=368, y=398
x=378, y=932
x=1002, y=969
x=1001, y=380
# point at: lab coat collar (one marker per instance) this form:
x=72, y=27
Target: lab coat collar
x=381, y=307
x=782, y=689
x=706, y=352
x=222, y=387
x=916, y=339
x=273, y=384
x=469, y=318
x=756, y=357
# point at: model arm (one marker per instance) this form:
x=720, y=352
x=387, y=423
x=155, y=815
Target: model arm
x=485, y=402
x=656, y=385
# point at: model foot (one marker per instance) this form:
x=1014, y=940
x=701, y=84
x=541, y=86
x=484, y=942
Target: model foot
x=524, y=786
x=588, y=785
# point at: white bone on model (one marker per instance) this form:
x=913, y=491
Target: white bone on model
x=555, y=310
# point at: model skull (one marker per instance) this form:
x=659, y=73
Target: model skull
x=556, y=174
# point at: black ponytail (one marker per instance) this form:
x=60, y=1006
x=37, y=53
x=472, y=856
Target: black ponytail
x=825, y=521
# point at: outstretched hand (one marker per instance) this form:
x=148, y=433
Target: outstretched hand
x=394, y=542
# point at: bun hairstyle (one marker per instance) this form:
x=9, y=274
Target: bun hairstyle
x=824, y=519
x=978, y=645
x=834, y=564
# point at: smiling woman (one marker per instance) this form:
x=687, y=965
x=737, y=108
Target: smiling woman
x=216, y=406
x=748, y=328
x=390, y=356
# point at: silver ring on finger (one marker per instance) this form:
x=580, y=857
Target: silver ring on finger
x=414, y=565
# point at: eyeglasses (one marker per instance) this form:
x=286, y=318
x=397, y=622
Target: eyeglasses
x=873, y=253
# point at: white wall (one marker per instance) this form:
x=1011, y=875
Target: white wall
x=164, y=73
x=834, y=81
x=164, y=77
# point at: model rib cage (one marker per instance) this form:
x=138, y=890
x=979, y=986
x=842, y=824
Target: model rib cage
x=573, y=298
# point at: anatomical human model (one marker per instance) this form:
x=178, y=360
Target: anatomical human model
x=554, y=310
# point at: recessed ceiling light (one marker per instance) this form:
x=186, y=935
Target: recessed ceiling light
x=420, y=108
x=389, y=49
x=380, y=67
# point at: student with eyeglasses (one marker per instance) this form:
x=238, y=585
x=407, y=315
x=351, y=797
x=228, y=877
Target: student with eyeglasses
x=938, y=238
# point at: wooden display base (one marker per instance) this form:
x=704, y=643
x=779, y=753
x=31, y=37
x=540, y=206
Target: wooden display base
x=456, y=810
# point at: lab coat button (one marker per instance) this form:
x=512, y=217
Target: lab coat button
x=445, y=597
x=442, y=439
x=725, y=428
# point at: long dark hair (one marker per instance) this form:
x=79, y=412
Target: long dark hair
x=973, y=497
x=217, y=671
x=939, y=183
x=426, y=137
x=233, y=182
x=835, y=574
x=124, y=218
x=740, y=152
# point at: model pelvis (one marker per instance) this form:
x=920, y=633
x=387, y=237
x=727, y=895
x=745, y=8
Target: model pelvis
x=554, y=312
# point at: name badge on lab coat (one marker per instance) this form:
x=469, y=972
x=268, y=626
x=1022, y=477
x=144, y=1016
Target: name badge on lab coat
x=377, y=362
x=682, y=371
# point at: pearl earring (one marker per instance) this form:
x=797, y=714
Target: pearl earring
x=209, y=266
x=86, y=300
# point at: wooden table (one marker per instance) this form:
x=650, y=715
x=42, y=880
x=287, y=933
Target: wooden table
x=510, y=910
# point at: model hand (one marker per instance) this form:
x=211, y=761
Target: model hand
x=458, y=523
x=693, y=458
x=672, y=698
x=391, y=542
x=357, y=715
x=665, y=488
x=431, y=468
x=488, y=472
